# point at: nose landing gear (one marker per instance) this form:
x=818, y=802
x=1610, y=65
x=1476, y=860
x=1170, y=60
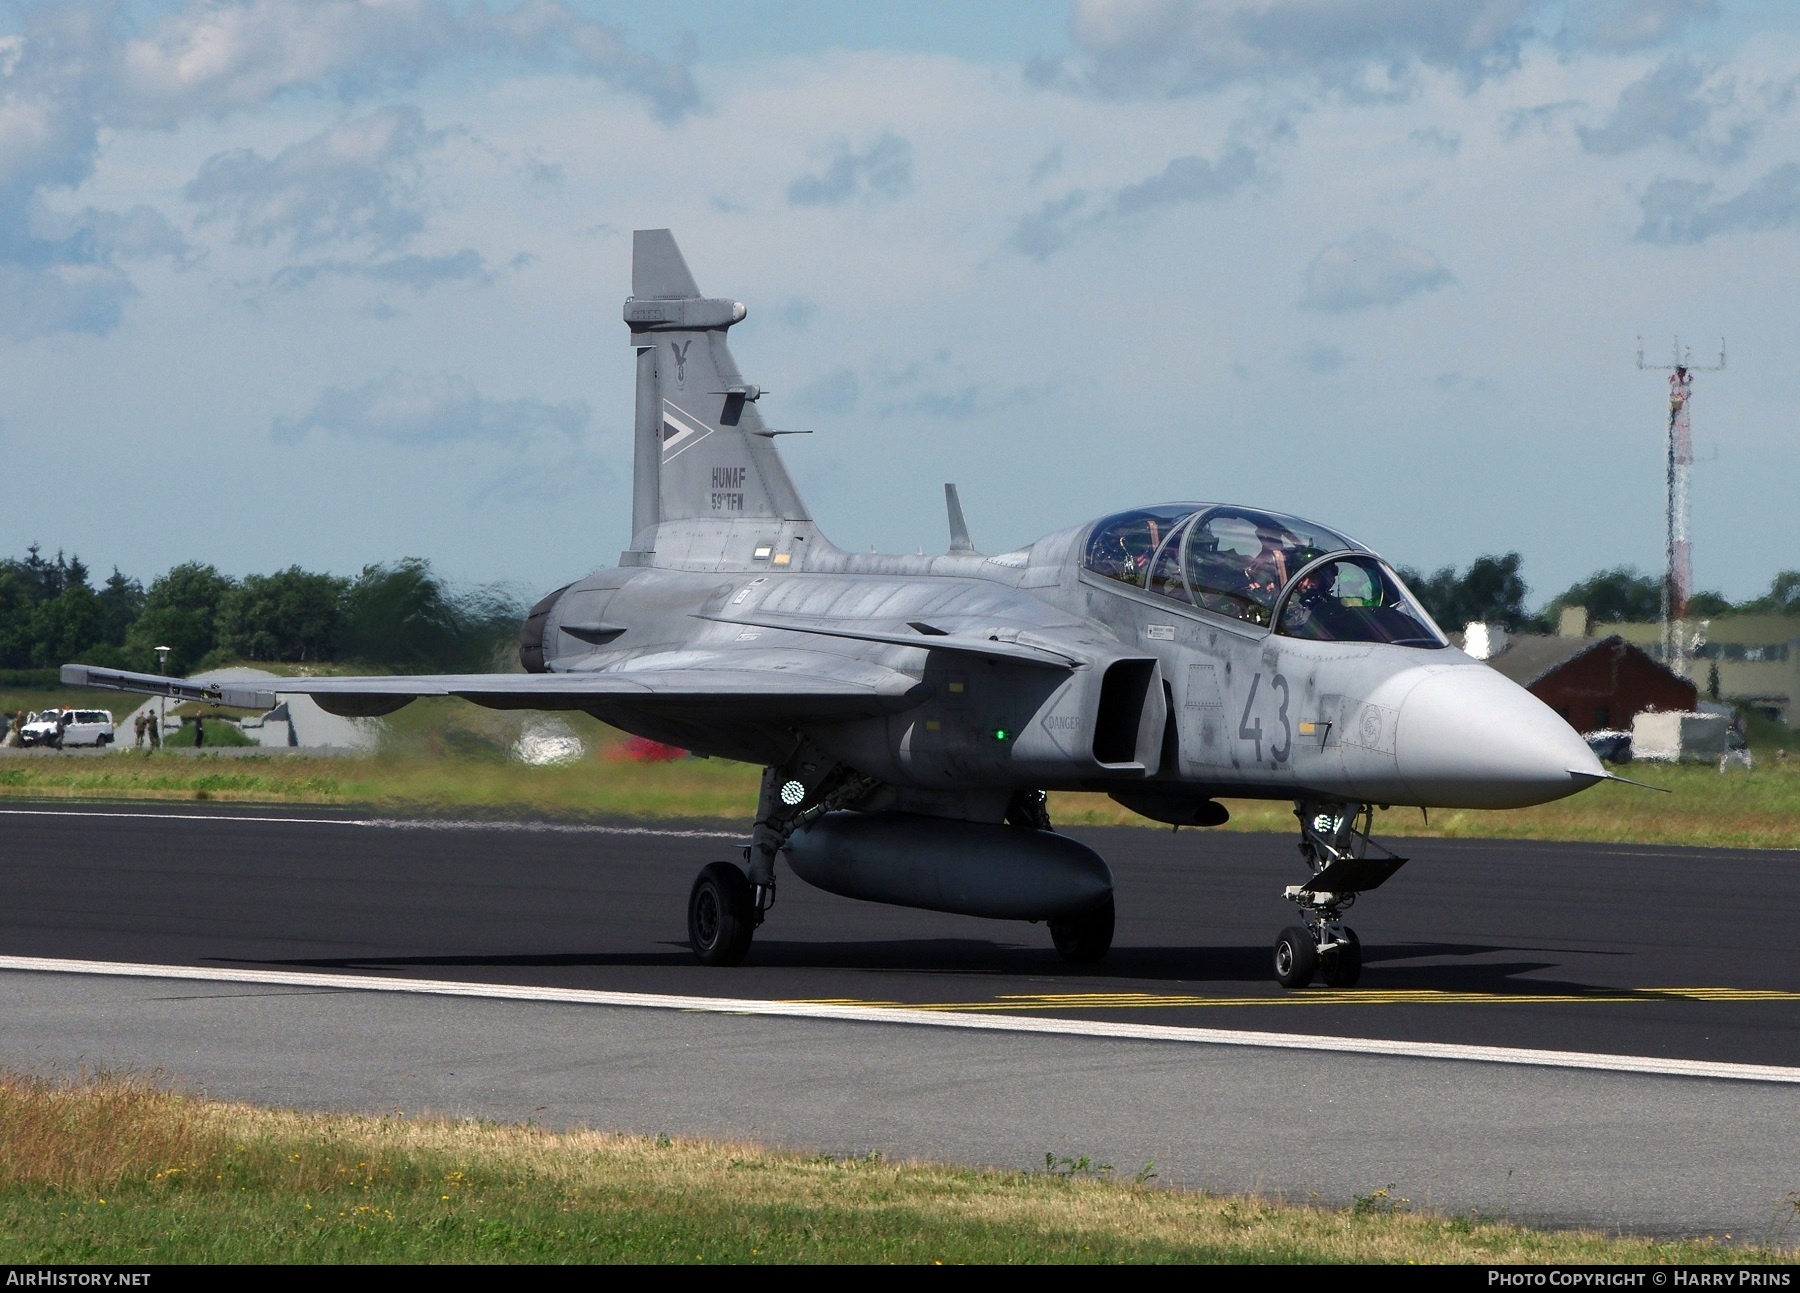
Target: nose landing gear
x=1334, y=839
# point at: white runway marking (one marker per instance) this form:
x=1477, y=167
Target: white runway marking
x=925, y=1019
x=389, y=823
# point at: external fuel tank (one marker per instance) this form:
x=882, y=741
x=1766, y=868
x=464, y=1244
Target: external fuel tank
x=971, y=868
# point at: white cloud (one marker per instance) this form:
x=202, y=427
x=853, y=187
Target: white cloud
x=410, y=271
x=1133, y=48
x=1624, y=25
x=357, y=181
x=1317, y=357
x=1669, y=104
x=67, y=297
x=513, y=285
x=1367, y=269
x=424, y=410
x=882, y=170
x=1681, y=211
x=834, y=393
x=76, y=68
x=1188, y=179
x=212, y=58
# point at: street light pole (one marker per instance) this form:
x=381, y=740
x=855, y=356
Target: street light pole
x=162, y=702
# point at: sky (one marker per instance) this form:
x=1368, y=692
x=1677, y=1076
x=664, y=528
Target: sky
x=333, y=282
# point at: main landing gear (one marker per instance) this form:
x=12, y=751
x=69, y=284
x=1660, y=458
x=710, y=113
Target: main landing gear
x=728, y=902
x=1334, y=839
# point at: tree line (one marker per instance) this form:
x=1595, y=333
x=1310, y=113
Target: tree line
x=403, y=617
x=1492, y=589
x=399, y=616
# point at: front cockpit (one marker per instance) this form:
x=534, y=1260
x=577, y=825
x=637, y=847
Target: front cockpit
x=1261, y=568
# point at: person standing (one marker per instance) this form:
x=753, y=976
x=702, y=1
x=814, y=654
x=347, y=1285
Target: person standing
x=141, y=725
x=199, y=729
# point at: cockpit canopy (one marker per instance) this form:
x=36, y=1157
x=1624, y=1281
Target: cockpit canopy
x=1263, y=568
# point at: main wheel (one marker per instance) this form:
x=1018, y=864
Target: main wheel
x=1296, y=957
x=1086, y=938
x=721, y=915
x=1341, y=967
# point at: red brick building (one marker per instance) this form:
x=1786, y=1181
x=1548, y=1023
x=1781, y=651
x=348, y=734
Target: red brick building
x=1595, y=683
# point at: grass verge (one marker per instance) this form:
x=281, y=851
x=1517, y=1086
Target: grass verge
x=117, y=1171
x=1739, y=809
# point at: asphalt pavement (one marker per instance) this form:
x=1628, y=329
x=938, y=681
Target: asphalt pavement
x=1636, y=952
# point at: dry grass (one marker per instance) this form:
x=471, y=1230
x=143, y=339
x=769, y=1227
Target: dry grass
x=117, y=1170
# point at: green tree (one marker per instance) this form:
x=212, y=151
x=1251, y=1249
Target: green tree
x=63, y=626
x=118, y=602
x=16, y=604
x=293, y=615
x=1491, y=590
x=181, y=611
x=402, y=616
x=1622, y=593
x=1783, y=597
x=49, y=614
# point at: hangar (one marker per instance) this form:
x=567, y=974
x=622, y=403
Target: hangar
x=1596, y=683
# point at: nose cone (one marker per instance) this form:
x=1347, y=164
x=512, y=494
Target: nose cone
x=1470, y=738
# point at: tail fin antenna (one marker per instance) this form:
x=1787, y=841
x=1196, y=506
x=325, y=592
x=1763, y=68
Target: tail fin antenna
x=959, y=528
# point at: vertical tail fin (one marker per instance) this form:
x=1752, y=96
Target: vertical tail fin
x=702, y=450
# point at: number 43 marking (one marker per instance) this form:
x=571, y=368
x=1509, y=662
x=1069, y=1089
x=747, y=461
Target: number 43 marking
x=1277, y=753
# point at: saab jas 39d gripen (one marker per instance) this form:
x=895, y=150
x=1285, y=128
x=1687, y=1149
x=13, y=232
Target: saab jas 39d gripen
x=911, y=712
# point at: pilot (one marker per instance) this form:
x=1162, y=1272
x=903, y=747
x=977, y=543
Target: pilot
x=1267, y=571
x=1309, y=609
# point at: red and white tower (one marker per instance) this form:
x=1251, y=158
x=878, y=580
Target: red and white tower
x=1678, y=577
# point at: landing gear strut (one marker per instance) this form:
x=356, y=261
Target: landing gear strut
x=1334, y=839
x=728, y=902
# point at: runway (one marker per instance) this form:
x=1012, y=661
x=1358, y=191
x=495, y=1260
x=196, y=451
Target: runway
x=1639, y=951
x=1645, y=953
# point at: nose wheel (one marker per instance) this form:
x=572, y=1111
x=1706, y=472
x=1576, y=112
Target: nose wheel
x=1296, y=956
x=1334, y=839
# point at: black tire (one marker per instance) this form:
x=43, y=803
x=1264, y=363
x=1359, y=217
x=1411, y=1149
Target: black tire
x=1084, y=939
x=721, y=915
x=1296, y=957
x=1341, y=967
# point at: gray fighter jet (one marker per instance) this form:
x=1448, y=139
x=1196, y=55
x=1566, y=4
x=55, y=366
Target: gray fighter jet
x=910, y=712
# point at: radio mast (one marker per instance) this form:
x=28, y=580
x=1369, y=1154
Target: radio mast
x=1678, y=577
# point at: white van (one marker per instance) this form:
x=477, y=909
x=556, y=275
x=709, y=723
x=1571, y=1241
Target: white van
x=64, y=727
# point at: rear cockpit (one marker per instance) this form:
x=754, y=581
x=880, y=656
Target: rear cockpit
x=1261, y=568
